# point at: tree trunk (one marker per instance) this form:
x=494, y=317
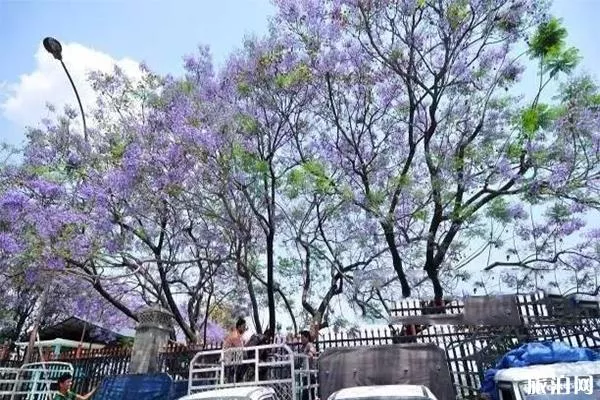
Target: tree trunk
x=438, y=290
x=206, y=317
x=244, y=272
x=390, y=238
x=253, y=302
x=36, y=323
x=290, y=310
x=316, y=325
x=270, y=279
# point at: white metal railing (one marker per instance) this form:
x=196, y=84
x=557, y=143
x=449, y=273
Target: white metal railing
x=287, y=372
x=31, y=381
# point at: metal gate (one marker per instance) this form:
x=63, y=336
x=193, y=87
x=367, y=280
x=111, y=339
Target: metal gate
x=31, y=381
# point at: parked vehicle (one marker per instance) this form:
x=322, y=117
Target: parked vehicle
x=411, y=365
x=285, y=372
x=489, y=328
x=559, y=381
x=235, y=393
x=384, y=392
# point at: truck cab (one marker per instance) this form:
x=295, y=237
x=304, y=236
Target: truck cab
x=384, y=392
x=559, y=381
x=236, y=393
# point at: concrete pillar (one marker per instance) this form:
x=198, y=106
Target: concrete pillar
x=151, y=335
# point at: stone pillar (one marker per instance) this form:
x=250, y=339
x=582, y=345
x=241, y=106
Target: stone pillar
x=151, y=335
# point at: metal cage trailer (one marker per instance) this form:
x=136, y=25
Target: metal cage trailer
x=291, y=375
x=31, y=381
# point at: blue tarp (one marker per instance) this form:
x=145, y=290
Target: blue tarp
x=143, y=386
x=547, y=352
x=178, y=390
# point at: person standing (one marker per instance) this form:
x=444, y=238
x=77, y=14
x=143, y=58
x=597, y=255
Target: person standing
x=65, y=381
x=235, y=337
x=310, y=352
x=263, y=354
x=232, y=342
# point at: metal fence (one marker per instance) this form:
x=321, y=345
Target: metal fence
x=92, y=367
x=469, y=349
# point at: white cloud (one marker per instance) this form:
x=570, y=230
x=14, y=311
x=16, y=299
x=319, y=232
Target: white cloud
x=24, y=102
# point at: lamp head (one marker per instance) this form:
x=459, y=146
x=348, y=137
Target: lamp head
x=53, y=47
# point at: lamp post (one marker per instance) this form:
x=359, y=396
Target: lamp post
x=54, y=47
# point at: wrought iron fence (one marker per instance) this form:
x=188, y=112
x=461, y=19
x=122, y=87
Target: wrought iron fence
x=90, y=368
x=469, y=349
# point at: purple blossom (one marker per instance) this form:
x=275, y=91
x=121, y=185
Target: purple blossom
x=13, y=200
x=593, y=234
x=214, y=332
x=491, y=57
x=91, y=192
x=570, y=226
x=512, y=72
x=596, y=142
x=577, y=207
x=516, y=211
x=504, y=168
x=113, y=246
x=46, y=188
x=461, y=70
x=132, y=157
x=559, y=176
x=56, y=263
x=539, y=230
x=31, y=276
x=200, y=65
x=74, y=160
x=8, y=245
x=524, y=233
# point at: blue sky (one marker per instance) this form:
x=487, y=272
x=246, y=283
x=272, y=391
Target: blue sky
x=155, y=31
x=158, y=32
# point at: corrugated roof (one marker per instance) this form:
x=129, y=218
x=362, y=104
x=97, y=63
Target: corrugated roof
x=73, y=327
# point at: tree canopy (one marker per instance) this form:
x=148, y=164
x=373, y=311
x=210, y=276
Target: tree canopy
x=362, y=150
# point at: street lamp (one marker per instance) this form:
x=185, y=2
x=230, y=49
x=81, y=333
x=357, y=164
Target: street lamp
x=54, y=47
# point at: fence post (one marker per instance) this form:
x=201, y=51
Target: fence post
x=151, y=336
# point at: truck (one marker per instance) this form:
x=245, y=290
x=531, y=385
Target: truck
x=242, y=372
x=287, y=375
x=558, y=381
x=489, y=329
x=481, y=332
x=410, y=366
x=384, y=392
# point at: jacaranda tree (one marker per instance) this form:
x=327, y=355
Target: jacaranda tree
x=424, y=115
x=119, y=212
x=361, y=148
